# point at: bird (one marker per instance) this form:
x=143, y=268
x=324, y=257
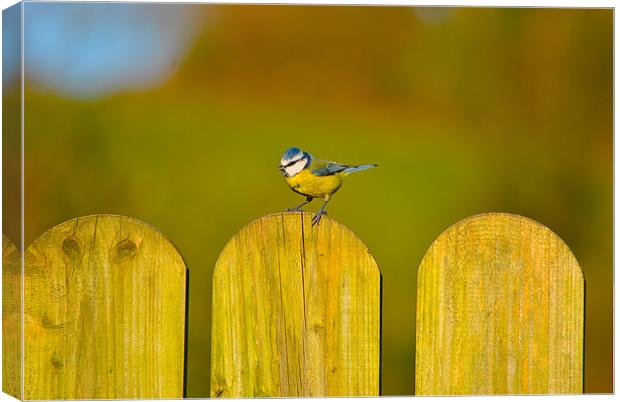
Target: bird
x=314, y=178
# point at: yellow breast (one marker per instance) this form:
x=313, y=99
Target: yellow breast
x=308, y=184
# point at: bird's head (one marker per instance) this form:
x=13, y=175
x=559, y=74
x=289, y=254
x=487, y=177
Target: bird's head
x=294, y=161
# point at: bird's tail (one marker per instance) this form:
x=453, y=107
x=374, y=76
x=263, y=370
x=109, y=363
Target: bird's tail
x=357, y=168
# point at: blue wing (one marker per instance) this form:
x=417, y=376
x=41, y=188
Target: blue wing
x=329, y=168
x=323, y=168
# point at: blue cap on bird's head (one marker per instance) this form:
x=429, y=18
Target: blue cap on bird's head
x=293, y=161
x=292, y=154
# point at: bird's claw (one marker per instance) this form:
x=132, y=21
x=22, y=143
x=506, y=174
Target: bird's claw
x=317, y=217
x=294, y=210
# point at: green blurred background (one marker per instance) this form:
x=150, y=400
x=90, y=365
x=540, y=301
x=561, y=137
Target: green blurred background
x=178, y=114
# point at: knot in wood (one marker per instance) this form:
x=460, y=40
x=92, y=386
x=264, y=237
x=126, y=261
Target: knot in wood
x=124, y=250
x=71, y=247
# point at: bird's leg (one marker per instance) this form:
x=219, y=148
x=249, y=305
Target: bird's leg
x=316, y=218
x=298, y=207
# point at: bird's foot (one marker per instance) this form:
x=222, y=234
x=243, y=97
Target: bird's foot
x=317, y=217
x=296, y=209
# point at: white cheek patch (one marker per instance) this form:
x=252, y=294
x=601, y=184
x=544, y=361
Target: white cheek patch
x=295, y=167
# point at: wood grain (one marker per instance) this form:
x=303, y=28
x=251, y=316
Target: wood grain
x=11, y=319
x=296, y=311
x=104, y=312
x=500, y=310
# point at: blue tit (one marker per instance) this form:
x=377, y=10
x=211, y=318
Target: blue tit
x=314, y=178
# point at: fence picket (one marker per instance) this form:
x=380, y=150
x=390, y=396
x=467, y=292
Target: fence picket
x=500, y=308
x=11, y=319
x=296, y=311
x=104, y=312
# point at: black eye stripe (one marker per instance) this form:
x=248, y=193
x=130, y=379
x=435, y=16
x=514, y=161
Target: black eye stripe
x=292, y=162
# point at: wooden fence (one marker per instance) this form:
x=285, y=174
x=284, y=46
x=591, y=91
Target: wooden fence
x=296, y=312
